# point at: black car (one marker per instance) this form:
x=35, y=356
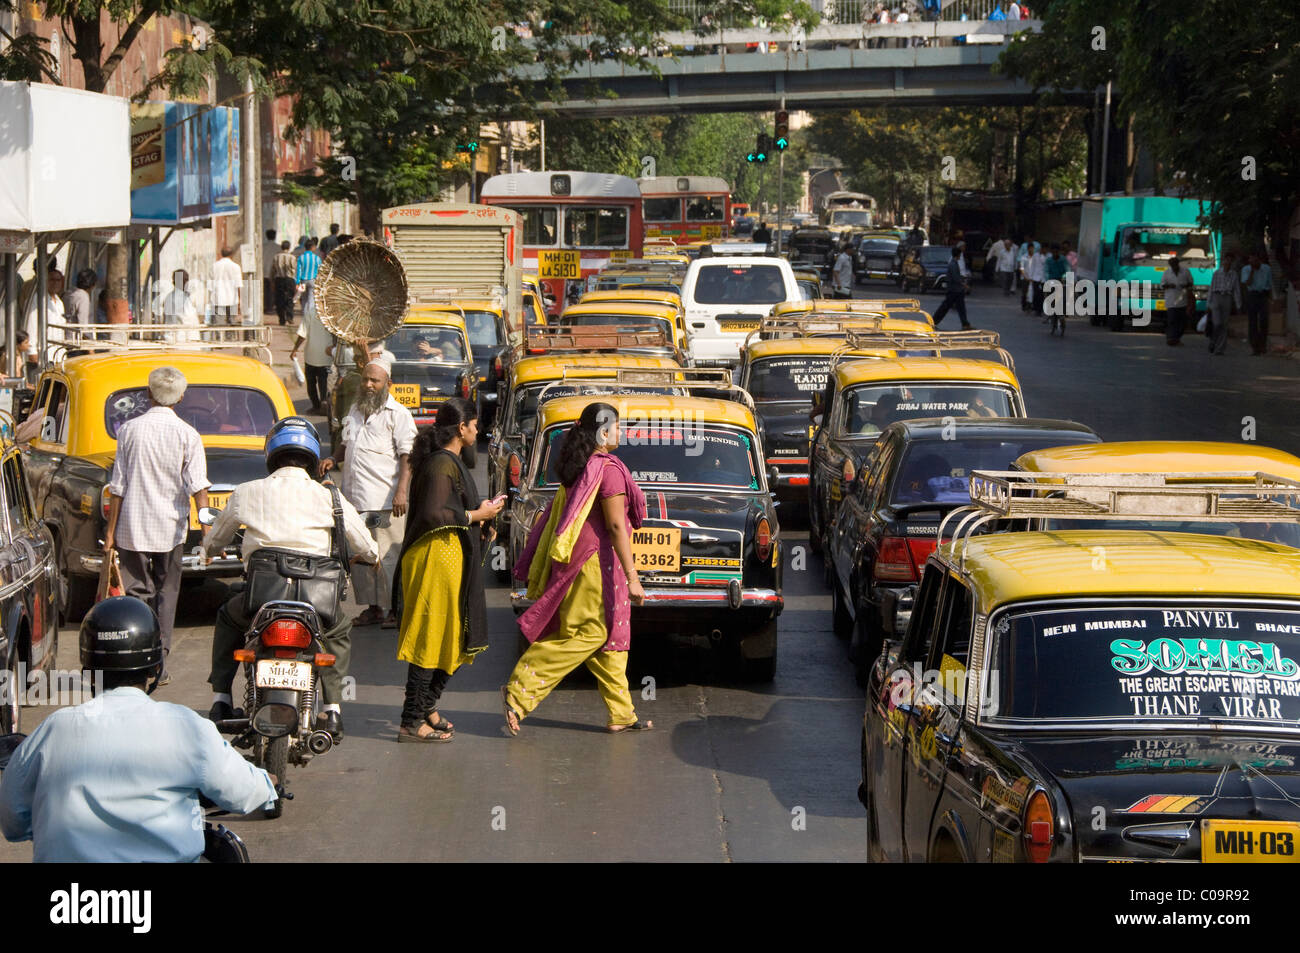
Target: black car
x=888, y=523
x=813, y=248
x=877, y=257
x=431, y=364
x=928, y=271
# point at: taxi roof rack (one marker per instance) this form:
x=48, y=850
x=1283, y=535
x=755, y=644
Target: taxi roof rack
x=1211, y=497
x=154, y=337
x=678, y=378
x=861, y=305
x=810, y=326
x=591, y=337
x=924, y=338
x=456, y=294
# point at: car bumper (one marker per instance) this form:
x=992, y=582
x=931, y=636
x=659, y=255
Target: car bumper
x=731, y=597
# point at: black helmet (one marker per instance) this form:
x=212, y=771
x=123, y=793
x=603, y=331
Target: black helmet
x=292, y=434
x=121, y=634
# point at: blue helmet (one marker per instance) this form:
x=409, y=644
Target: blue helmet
x=291, y=434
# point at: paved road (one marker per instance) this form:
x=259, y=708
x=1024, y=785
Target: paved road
x=733, y=772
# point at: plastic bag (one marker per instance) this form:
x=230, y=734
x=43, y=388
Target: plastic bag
x=1202, y=324
x=298, y=374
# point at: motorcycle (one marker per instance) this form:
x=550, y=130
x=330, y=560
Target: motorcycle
x=282, y=660
x=221, y=845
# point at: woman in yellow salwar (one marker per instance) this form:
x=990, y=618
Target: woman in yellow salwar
x=578, y=564
x=444, y=608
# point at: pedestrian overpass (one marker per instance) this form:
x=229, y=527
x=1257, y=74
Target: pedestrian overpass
x=943, y=63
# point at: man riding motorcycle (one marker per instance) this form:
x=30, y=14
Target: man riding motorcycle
x=287, y=510
x=118, y=778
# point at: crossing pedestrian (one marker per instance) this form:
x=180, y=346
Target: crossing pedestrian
x=377, y=437
x=578, y=564
x=956, y=292
x=1054, y=271
x=1005, y=252
x=842, y=272
x=305, y=274
x=226, y=287
x=159, y=466
x=284, y=273
x=1225, y=292
x=318, y=342
x=1257, y=280
x=440, y=582
x=1177, y=286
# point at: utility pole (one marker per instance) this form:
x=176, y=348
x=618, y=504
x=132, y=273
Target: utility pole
x=780, y=182
x=1105, y=140
x=252, y=208
x=541, y=125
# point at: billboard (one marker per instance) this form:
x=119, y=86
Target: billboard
x=184, y=162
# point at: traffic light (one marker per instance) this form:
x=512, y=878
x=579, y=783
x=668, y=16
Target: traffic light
x=470, y=147
x=752, y=157
x=782, y=130
x=763, y=148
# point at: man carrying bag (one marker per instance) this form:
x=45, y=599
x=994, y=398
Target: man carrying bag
x=300, y=539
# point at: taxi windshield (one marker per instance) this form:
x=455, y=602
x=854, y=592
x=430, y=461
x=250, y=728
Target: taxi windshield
x=938, y=470
x=789, y=378
x=688, y=453
x=427, y=344
x=482, y=327
x=209, y=409
x=1181, y=661
x=629, y=321
x=872, y=408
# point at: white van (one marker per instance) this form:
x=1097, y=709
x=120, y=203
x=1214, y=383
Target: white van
x=726, y=297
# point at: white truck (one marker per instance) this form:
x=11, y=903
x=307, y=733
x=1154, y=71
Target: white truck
x=727, y=296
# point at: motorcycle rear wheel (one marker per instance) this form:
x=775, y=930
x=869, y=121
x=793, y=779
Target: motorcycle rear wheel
x=275, y=760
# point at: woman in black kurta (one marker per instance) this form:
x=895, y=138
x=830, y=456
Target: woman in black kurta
x=440, y=585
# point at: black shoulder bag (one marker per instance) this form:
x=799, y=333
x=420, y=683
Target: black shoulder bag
x=321, y=581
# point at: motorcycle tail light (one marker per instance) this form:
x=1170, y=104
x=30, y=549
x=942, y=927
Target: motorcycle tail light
x=285, y=653
x=1038, y=828
x=763, y=540
x=286, y=633
x=324, y=660
x=895, y=560
x=516, y=470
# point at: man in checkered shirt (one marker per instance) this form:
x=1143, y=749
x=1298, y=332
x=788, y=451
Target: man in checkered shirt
x=159, y=465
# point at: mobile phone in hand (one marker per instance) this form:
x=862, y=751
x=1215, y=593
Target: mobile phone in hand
x=498, y=499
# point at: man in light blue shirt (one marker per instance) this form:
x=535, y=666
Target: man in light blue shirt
x=1257, y=281
x=308, y=266
x=118, y=778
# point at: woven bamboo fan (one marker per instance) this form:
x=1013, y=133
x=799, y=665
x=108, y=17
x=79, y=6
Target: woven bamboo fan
x=361, y=291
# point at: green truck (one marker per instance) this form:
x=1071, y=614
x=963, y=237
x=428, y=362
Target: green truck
x=1125, y=242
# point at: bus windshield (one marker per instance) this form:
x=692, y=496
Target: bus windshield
x=662, y=210
x=705, y=208
x=539, y=224
x=587, y=226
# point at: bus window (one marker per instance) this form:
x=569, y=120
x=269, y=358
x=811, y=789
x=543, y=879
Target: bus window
x=588, y=226
x=662, y=210
x=704, y=209
x=539, y=225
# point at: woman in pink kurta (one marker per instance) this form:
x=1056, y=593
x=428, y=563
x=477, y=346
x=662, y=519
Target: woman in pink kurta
x=578, y=565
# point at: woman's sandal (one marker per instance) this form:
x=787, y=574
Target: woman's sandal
x=635, y=726
x=442, y=724
x=405, y=735
x=512, y=716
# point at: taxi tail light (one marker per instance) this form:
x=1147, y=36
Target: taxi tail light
x=515, y=469
x=496, y=367
x=104, y=498
x=286, y=633
x=921, y=550
x=895, y=561
x=464, y=387
x=763, y=540
x=1039, y=828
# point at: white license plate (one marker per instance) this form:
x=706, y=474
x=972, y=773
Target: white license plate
x=273, y=673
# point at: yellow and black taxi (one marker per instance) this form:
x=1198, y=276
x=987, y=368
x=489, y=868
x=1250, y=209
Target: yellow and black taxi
x=662, y=274
x=863, y=397
x=709, y=552
x=903, y=309
x=511, y=443
x=809, y=281
x=876, y=257
x=888, y=522
x=628, y=315
x=29, y=585
x=1170, y=461
x=231, y=400
x=1092, y=695
x=434, y=360
x=634, y=294
x=538, y=298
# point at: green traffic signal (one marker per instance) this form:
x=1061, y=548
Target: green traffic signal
x=751, y=157
x=782, y=143
x=470, y=147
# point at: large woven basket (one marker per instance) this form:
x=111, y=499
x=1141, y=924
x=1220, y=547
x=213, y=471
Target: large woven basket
x=361, y=291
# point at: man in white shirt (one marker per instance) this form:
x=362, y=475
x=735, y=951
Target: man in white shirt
x=377, y=437
x=842, y=273
x=53, y=316
x=176, y=307
x=1036, y=271
x=318, y=341
x=227, y=282
x=1005, y=251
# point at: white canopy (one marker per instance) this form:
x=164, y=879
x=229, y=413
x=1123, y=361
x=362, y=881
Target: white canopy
x=65, y=159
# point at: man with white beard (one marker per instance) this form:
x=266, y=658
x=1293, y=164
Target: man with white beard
x=378, y=434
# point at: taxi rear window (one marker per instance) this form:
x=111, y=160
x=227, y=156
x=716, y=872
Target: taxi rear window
x=670, y=454
x=209, y=409
x=789, y=378
x=938, y=471
x=626, y=320
x=1194, y=661
x=870, y=409
x=427, y=343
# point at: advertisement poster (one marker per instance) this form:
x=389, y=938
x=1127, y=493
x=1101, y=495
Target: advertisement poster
x=185, y=164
